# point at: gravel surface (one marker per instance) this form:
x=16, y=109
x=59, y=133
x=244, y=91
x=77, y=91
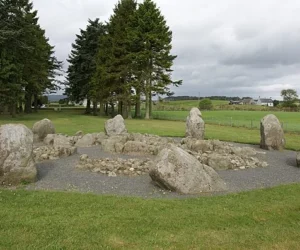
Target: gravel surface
x=63, y=176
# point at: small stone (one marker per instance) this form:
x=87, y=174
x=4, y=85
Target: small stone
x=83, y=157
x=243, y=167
x=131, y=169
x=112, y=174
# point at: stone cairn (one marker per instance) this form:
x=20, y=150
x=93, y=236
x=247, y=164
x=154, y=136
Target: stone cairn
x=186, y=166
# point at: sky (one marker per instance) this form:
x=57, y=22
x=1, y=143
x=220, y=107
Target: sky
x=223, y=47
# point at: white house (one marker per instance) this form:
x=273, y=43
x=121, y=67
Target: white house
x=265, y=102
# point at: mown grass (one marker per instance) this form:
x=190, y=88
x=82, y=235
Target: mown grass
x=262, y=219
x=70, y=121
x=251, y=119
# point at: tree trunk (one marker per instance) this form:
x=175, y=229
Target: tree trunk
x=28, y=99
x=95, y=110
x=138, y=105
x=150, y=105
x=35, y=103
x=129, y=110
x=125, y=110
x=147, y=115
x=88, y=107
x=106, y=108
x=102, y=109
x=112, y=109
x=120, y=108
x=13, y=110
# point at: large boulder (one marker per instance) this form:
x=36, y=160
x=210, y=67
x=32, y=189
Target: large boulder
x=179, y=171
x=298, y=160
x=115, y=126
x=195, y=126
x=271, y=133
x=16, y=158
x=42, y=128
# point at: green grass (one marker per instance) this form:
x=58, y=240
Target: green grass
x=262, y=219
x=249, y=119
x=70, y=121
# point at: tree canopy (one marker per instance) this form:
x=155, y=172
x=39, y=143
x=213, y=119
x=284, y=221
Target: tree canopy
x=289, y=97
x=27, y=63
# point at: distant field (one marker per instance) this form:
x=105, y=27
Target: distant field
x=250, y=119
x=70, y=121
x=185, y=104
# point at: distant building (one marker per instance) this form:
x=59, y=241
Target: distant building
x=265, y=102
x=235, y=102
x=248, y=101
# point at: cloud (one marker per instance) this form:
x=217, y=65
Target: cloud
x=233, y=47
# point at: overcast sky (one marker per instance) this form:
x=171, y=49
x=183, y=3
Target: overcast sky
x=224, y=47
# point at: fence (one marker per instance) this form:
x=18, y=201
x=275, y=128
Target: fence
x=229, y=121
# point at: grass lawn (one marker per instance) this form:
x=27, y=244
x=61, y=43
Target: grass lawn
x=262, y=219
x=250, y=119
x=70, y=121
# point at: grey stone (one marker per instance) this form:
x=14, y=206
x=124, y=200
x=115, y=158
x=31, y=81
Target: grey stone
x=219, y=162
x=271, y=133
x=195, y=126
x=42, y=128
x=115, y=126
x=16, y=157
x=79, y=133
x=87, y=140
x=179, y=171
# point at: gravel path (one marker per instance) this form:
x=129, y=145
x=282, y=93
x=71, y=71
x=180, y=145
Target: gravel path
x=62, y=175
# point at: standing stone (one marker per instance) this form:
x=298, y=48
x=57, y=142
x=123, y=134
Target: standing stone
x=115, y=126
x=42, y=128
x=179, y=171
x=271, y=133
x=298, y=160
x=16, y=157
x=195, y=126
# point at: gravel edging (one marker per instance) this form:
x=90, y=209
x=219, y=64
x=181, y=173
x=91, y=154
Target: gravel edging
x=61, y=175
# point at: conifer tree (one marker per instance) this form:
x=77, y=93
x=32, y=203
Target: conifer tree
x=118, y=64
x=83, y=64
x=27, y=63
x=151, y=52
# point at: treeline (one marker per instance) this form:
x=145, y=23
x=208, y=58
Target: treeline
x=118, y=63
x=28, y=66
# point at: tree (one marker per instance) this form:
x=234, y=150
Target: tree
x=205, y=104
x=289, y=97
x=27, y=64
x=82, y=66
x=151, y=53
x=119, y=60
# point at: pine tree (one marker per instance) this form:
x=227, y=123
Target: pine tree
x=83, y=64
x=151, y=52
x=27, y=60
x=118, y=64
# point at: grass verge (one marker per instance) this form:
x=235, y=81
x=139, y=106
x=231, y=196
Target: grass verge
x=262, y=219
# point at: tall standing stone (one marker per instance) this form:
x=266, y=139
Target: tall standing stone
x=42, y=128
x=195, y=126
x=16, y=157
x=115, y=126
x=271, y=133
